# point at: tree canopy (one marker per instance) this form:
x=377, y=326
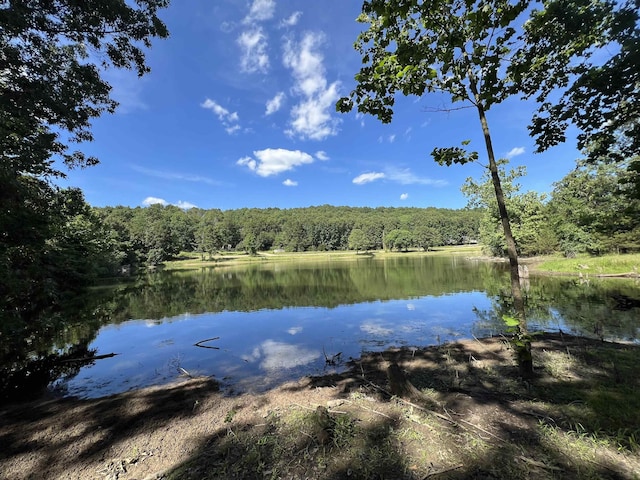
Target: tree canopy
x=53, y=55
x=587, y=52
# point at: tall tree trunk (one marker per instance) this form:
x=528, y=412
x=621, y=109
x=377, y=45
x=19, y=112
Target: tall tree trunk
x=522, y=343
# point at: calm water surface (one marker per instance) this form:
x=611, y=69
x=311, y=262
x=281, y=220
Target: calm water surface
x=253, y=327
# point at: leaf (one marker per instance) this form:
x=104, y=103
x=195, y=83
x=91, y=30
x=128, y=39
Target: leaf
x=510, y=321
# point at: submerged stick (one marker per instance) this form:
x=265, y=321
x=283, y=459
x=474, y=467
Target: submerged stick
x=88, y=359
x=198, y=344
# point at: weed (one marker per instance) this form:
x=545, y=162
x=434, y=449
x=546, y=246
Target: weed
x=228, y=418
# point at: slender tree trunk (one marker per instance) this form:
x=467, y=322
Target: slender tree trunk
x=523, y=344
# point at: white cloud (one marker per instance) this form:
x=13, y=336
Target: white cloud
x=368, y=177
x=322, y=155
x=253, y=44
x=406, y=177
x=153, y=201
x=514, y=152
x=222, y=113
x=392, y=138
x=272, y=161
x=228, y=119
x=294, y=330
x=275, y=103
x=185, y=205
x=278, y=355
x=260, y=11
x=311, y=117
x=374, y=327
x=290, y=183
x=291, y=20
x=403, y=177
x=404, y=196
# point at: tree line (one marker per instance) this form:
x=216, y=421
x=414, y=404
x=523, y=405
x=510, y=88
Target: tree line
x=157, y=233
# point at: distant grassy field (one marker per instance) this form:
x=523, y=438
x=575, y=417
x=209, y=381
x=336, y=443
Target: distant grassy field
x=187, y=260
x=585, y=264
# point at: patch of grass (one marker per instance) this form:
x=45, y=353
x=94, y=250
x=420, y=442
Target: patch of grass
x=594, y=394
x=586, y=264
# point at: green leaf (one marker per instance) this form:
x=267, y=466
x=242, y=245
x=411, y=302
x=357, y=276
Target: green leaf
x=510, y=321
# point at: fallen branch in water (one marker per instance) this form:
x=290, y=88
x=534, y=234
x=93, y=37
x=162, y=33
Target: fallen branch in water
x=198, y=344
x=88, y=359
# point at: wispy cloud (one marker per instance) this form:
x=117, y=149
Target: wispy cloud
x=260, y=11
x=310, y=117
x=514, y=152
x=322, y=155
x=404, y=196
x=175, y=176
x=407, y=177
x=368, y=177
x=161, y=201
x=401, y=176
x=290, y=183
x=254, y=57
x=291, y=20
x=272, y=161
x=126, y=89
x=390, y=138
x=275, y=103
x=228, y=119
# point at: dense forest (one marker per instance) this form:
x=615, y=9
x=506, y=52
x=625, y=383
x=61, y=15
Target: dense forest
x=157, y=233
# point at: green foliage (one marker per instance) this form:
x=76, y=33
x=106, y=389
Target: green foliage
x=532, y=230
x=592, y=212
x=52, y=249
x=358, y=240
x=399, y=239
x=52, y=55
x=414, y=47
x=589, y=50
x=50, y=83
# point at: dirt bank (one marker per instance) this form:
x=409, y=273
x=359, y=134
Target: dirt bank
x=473, y=418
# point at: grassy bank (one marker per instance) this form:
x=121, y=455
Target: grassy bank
x=190, y=260
x=626, y=264
x=605, y=265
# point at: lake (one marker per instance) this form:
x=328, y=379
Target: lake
x=255, y=326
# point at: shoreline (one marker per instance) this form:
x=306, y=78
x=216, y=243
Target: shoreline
x=191, y=430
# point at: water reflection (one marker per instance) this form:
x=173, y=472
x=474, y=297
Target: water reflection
x=256, y=326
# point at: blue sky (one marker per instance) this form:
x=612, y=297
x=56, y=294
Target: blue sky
x=238, y=111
